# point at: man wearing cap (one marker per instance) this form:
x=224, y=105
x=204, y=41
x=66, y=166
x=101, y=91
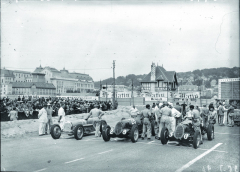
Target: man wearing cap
x=96, y=114
x=49, y=116
x=145, y=115
x=165, y=113
x=42, y=115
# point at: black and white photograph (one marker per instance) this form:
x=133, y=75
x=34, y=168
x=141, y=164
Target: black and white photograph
x=120, y=85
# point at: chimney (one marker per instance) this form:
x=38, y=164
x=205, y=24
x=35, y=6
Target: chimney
x=153, y=72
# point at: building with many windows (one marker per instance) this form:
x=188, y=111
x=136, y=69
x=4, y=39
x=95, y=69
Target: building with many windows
x=66, y=81
x=22, y=76
x=33, y=88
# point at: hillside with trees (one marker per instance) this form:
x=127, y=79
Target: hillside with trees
x=196, y=77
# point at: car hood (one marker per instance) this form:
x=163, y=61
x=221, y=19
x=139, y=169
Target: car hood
x=80, y=121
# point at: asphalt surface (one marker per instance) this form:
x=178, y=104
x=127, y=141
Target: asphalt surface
x=42, y=153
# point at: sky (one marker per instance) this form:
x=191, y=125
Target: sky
x=86, y=36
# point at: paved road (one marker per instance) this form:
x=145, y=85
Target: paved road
x=93, y=154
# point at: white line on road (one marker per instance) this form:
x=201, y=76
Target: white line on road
x=105, y=152
x=197, y=158
x=74, y=160
x=228, y=133
x=214, y=150
x=40, y=170
x=151, y=141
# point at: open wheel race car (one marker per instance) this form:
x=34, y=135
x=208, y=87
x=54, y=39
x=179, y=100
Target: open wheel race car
x=186, y=133
x=126, y=128
x=77, y=128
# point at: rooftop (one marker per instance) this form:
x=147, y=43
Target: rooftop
x=30, y=84
x=161, y=75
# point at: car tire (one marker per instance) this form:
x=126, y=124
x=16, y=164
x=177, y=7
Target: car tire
x=102, y=125
x=210, y=132
x=105, y=134
x=55, y=131
x=196, y=139
x=134, y=133
x=78, y=135
x=164, y=135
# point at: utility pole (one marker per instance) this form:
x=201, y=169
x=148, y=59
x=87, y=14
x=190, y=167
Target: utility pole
x=132, y=92
x=167, y=91
x=100, y=90
x=113, y=83
x=200, y=95
x=106, y=92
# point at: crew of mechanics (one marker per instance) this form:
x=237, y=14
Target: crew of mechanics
x=167, y=115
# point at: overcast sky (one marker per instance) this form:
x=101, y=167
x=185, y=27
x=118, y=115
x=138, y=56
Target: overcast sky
x=183, y=36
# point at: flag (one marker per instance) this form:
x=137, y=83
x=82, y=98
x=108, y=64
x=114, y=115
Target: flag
x=175, y=77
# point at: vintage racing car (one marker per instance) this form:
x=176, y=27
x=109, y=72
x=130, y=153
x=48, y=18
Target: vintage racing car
x=126, y=128
x=186, y=133
x=77, y=128
x=236, y=117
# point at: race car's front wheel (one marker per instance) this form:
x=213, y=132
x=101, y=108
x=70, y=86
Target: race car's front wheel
x=134, y=134
x=55, y=131
x=78, y=132
x=210, y=132
x=196, y=139
x=164, y=135
x=106, y=133
x=103, y=125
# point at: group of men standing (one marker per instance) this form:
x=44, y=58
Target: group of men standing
x=166, y=114
x=45, y=118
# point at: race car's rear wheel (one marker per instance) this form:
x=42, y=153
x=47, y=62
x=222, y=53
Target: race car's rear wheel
x=106, y=133
x=164, y=135
x=78, y=132
x=55, y=131
x=134, y=134
x=196, y=139
x=210, y=132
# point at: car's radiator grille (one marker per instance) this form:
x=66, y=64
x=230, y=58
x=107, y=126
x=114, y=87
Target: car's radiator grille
x=179, y=132
x=118, y=128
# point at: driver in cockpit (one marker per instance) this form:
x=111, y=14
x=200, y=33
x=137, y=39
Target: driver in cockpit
x=193, y=115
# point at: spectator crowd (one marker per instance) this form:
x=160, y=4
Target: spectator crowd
x=29, y=107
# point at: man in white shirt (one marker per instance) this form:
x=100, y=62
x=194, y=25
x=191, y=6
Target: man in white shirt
x=177, y=115
x=42, y=115
x=61, y=116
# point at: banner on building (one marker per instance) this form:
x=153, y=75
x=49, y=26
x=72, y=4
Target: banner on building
x=155, y=99
x=81, y=97
x=193, y=95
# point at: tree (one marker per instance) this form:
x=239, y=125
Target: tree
x=208, y=84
